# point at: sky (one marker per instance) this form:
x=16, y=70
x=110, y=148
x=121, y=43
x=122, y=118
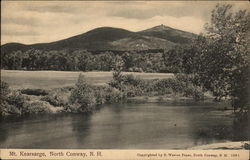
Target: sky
x=31, y=22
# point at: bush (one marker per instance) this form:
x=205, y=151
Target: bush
x=129, y=85
x=114, y=95
x=37, y=107
x=190, y=88
x=7, y=109
x=35, y=92
x=107, y=94
x=100, y=94
x=181, y=84
x=12, y=104
x=167, y=86
x=194, y=92
x=57, y=97
x=72, y=108
x=83, y=94
x=4, y=88
x=132, y=91
x=3, y=97
x=131, y=80
x=16, y=99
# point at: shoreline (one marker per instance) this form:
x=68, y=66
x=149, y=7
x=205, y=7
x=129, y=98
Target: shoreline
x=239, y=145
x=168, y=99
x=84, y=96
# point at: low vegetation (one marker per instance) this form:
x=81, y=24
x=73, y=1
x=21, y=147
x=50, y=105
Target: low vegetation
x=84, y=97
x=132, y=86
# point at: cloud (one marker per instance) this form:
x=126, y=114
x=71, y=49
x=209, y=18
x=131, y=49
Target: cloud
x=132, y=13
x=162, y=9
x=20, y=21
x=50, y=8
x=19, y=33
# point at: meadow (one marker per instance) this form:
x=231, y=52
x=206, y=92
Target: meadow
x=57, y=79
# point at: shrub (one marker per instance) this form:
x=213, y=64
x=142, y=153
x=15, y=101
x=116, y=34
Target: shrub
x=181, y=84
x=57, y=97
x=12, y=103
x=128, y=84
x=132, y=91
x=131, y=86
x=7, y=109
x=35, y=92
x=190, y=89
x=100, y=94
x=37, y=107
x=117, y=80
x=83, y=94
x=3, y=97
x=131, y=80
x=167, y=86
x=114, y=95
x=194, y=92
x=107, y=94
x=4, y=88
x=16, y=99
x=72, y=108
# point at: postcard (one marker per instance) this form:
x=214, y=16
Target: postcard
x=126, y=80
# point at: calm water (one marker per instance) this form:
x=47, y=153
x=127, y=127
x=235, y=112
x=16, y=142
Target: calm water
x=125, y=126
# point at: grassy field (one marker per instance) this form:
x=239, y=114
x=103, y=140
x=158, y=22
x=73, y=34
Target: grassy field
x=56, y=79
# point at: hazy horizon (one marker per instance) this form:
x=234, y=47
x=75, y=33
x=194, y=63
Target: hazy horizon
x=48, y=21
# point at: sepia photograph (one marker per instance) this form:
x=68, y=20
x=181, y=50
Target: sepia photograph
x=126, y=75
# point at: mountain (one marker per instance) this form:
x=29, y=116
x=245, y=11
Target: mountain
x=10, y=47
x=170, y=34
x=108, y=38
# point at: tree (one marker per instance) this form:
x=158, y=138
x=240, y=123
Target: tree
x=13, y=60
x=128, y=60
x=173, y=59
x=83, y=95
x=85, y=59
x=104, y=61
x=220, y=61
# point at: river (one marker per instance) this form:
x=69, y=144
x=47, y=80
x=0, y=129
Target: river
x=125, y=126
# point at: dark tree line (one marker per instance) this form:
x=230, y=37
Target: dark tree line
x=82, y=60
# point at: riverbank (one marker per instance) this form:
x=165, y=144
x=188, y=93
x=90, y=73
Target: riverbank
x=57, y=101
x=167, y=98
x=85, y=97
x=226, y=145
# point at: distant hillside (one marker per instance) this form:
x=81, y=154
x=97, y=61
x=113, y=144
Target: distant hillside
x=10, y=47
x=170, y=34
x=108, y=38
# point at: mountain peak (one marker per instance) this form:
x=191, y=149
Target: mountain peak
x=161, y=27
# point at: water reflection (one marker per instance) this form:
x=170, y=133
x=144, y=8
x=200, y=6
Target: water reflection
x=125, y=126
x=80, y=128
x=241, y=130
